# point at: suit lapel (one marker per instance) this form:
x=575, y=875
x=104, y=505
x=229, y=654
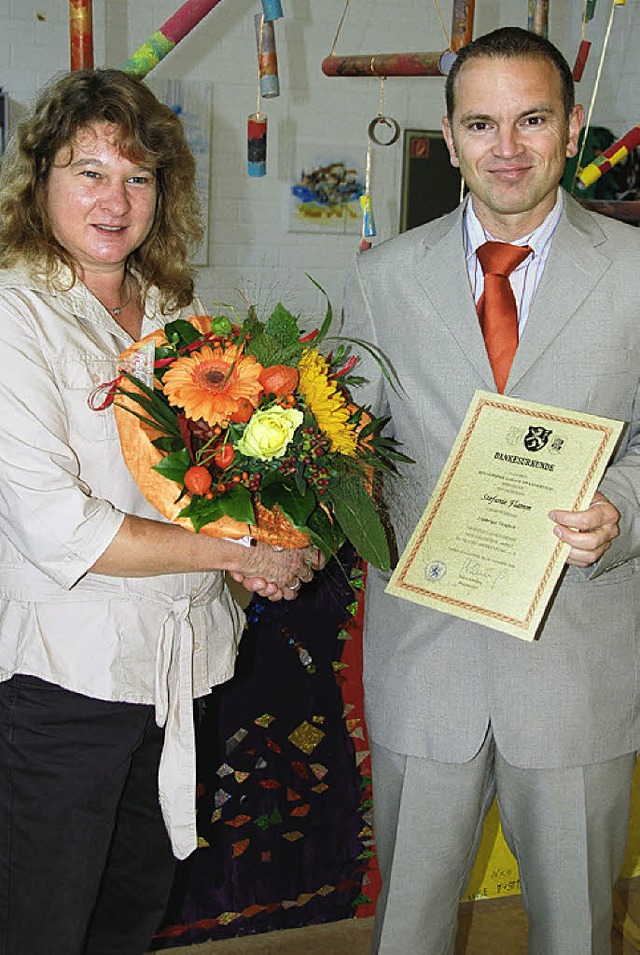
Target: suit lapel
x=573, y=269
x=440, y=270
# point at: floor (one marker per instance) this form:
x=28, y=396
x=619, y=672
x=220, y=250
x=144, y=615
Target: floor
x=488, y=927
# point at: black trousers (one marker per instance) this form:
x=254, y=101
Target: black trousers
x=85, y=861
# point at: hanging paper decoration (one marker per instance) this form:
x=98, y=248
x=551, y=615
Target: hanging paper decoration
x=257, y=145
x=610, y=157
x=267, y=57
x=169, y=35
x=538, y=21
x=272, y=9
x=383, y=131
x=590, y=10
x=368, y=222
x=81, y=34
x=581, y=60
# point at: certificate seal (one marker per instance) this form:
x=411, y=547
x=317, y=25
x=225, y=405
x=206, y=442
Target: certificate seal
x=435, y=570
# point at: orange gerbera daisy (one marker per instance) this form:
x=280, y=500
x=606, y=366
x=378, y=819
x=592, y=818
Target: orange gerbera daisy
x=211, y=382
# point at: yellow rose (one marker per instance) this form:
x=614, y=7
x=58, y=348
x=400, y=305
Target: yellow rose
x=269, y=432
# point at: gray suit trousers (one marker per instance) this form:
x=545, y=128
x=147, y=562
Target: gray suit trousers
x=566, y=827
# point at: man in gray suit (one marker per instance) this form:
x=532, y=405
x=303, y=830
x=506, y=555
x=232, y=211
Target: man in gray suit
x=458, y=712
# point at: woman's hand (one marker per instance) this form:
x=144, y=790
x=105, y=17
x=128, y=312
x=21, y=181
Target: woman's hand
x=276, y=573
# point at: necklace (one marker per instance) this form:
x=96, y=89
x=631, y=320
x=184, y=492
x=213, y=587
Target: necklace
x=116, y=311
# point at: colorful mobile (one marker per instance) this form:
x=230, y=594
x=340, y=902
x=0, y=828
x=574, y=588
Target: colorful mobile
x=268, y=86
x=616, y=153
x=80, y=34
x=168, y=36
x=383, y=131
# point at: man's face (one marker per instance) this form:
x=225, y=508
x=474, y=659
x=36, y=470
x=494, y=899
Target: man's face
x=509, y=136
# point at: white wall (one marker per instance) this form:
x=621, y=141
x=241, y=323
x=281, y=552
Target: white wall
x=250, y=246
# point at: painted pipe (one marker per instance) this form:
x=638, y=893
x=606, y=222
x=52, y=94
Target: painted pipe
x=539, y=17
x=271, y=9
x=462, y=23
x=611, y=156
x=257, y=145
x=407, y=64
x=81, y=34
x=581, y=60
x=267, y=57
x=168, y=36
x=383, y=64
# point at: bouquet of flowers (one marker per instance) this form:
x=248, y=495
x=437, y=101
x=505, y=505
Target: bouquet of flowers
x=237, y=426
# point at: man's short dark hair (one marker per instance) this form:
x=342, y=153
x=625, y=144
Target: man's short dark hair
x=510, y=43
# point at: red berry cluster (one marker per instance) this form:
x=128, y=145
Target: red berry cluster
x=314, y=447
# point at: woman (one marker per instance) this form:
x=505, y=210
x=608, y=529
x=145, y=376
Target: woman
x=111, y=620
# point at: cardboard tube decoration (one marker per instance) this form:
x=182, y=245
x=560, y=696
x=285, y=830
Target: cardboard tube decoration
x=257, y=145
x=168, y=36
x=408, y=64
x=272, y=9
x=81, y=34
x=610, y=157
x=538, y=20
x=267, y=57
x=581, y=60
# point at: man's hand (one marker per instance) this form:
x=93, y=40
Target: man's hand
x=277, y=573
x=589, y=532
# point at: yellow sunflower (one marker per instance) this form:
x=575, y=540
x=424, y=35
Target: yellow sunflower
x=326, y=402
x=211, y=383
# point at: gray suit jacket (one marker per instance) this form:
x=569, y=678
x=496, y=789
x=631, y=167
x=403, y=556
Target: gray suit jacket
x=433, y=681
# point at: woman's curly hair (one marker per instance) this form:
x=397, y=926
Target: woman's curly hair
x=147, y=132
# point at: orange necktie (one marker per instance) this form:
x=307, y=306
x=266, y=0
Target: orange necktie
x=497, y=305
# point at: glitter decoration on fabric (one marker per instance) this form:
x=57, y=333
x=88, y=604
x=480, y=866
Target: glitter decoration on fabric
x=293, y=844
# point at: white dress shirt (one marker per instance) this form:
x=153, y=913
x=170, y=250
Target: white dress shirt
x=525, y=278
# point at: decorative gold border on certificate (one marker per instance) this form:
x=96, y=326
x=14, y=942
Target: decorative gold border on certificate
x=502, y=405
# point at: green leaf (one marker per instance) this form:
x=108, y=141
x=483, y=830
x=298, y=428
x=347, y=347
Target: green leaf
x=174, y=466
x=296, y=507
x=235, y=503
x=165, y=351
x=145, y=420
x=168, y=444
x=328, y=318
x=329, y=532
x=153, y=402
x=181, y=333
x=357, y=515
x=283, y=326
x=266, y=349
x=379, y=357
x=238, y=505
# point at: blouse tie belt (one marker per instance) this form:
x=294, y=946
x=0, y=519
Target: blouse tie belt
x=174, y=711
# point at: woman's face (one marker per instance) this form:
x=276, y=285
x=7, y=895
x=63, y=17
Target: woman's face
x=101, y=205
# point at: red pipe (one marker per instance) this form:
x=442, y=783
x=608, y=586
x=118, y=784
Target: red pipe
x=405, y=64
x=81, y=34
x=383, y=64
x=186, y=18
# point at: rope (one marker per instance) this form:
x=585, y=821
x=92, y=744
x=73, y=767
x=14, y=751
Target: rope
x=259, y=59
x=335, y=40
x=595, y=91
x=444, y=29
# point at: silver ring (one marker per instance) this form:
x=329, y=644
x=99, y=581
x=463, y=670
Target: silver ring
x=295, y=586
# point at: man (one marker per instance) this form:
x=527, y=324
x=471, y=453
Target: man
x=458, y=711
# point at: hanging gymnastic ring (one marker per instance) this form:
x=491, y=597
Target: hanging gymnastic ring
x=384, y=121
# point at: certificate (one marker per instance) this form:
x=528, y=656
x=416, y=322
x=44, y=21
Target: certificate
x=484, y=549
